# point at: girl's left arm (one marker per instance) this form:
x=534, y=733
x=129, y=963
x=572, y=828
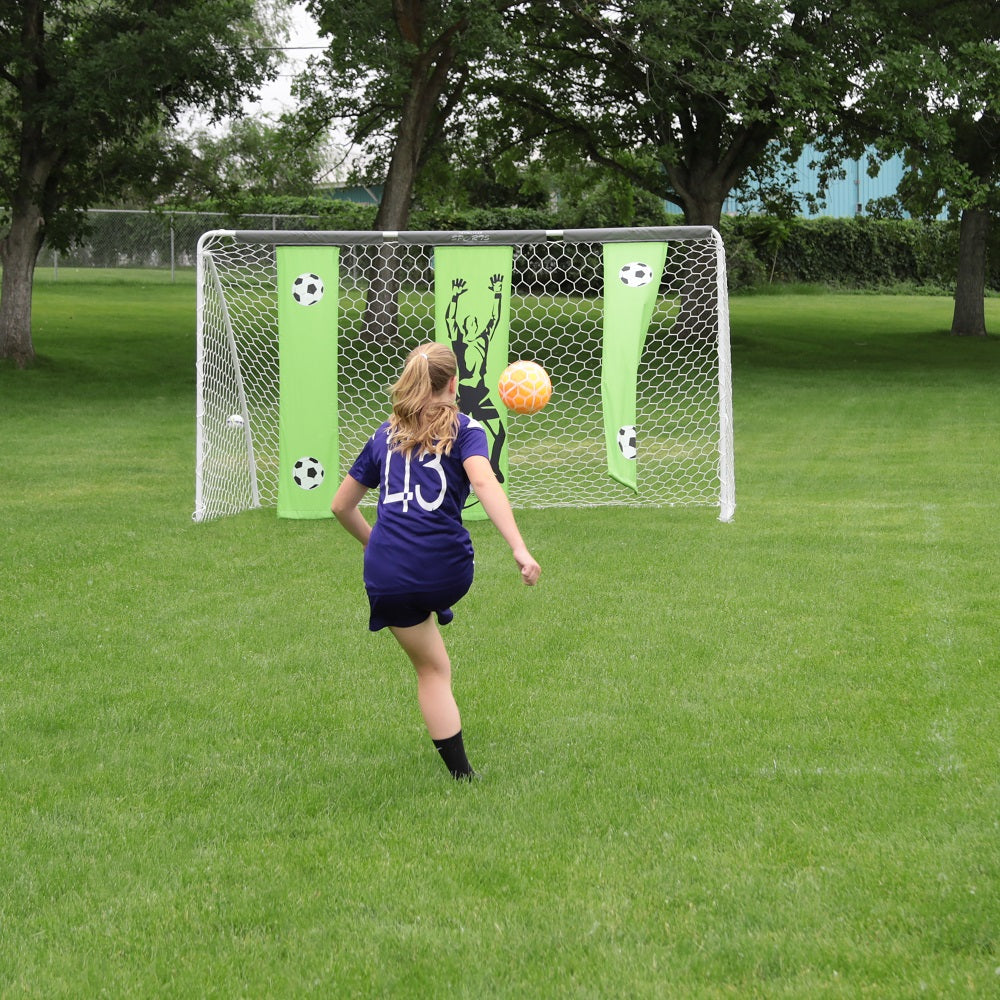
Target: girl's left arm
x=345, y=509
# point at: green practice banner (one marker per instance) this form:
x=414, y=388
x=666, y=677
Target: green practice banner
x=632, y=273
x=308, y=456
x=472, y=316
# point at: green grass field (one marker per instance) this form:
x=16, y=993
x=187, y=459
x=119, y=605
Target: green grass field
x=756, y=759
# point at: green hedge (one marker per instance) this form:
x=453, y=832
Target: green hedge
x=847, y=253
x=858, y=253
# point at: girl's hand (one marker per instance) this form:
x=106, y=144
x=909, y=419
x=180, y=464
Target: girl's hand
x=530, y=570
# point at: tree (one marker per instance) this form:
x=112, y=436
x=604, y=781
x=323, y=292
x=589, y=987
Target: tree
x=933, y=95
x=394, y=70
x=83, y=88
x=683, y=97
x=253, y=157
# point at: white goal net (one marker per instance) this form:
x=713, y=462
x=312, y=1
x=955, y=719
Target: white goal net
x=681, y=439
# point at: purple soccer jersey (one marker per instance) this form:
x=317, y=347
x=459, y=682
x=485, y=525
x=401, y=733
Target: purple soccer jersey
x=418, y=541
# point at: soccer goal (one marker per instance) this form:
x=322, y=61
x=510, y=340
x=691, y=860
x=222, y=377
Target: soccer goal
x=301, y=334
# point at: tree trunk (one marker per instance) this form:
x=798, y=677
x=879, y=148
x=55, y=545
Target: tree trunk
x=697, y=318
x=969, y=318
x=703, y=210
x=381, y=319
x=394, y=208
x=429, y=71
x=18, y=253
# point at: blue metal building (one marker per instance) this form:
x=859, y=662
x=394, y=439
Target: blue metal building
x=362, y=195
x=844, y=198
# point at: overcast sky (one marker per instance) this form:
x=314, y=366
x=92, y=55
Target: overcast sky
x=276, y=97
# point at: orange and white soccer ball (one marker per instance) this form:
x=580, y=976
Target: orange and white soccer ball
x=525, y=387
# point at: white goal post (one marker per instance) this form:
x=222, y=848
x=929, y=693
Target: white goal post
x=561, y=310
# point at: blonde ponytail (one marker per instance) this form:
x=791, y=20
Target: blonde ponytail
x=420, y=420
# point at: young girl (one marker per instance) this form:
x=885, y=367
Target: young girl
x=418, y=555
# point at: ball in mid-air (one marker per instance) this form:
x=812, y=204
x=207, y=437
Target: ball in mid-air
x=308, y=473
x=307, y=289
x=636, y=274
x=234, y=420
x=525, y=387
x=626, y=441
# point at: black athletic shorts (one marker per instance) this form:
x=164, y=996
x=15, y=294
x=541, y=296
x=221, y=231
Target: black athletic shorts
x=406, y=610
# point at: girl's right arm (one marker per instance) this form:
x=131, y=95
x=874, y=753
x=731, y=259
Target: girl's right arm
x=345, y=509
x=491, y=495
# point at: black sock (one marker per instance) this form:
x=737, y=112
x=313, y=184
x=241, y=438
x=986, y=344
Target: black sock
x=452, y=752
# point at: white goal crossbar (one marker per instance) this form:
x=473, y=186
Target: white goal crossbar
x=562, y=298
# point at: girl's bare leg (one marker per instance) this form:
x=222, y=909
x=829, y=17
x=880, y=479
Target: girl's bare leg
x=425, y=648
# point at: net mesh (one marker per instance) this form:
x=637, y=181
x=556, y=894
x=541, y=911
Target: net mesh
x=557, y=457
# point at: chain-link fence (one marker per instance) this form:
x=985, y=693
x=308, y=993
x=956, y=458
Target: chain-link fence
x=160, y=240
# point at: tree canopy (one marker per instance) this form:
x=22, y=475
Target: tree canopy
x=395, y=70
x=684, y=97
x=687, y=99
x=253, y=158
x=932, y=94
x=84, y=88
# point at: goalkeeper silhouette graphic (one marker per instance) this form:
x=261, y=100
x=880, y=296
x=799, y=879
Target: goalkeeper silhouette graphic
x=472, y=346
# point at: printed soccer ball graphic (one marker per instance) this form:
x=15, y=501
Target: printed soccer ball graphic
x=525, y=387
x=626, y=441
x=307, y=289
x=636, y=274
x=308, y=473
